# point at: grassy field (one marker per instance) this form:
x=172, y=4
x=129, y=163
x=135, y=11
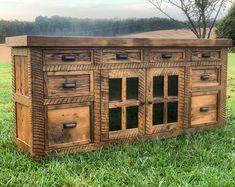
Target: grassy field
x=200, y=159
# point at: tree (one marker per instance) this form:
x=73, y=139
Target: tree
x=201, y=15
x=226, y=26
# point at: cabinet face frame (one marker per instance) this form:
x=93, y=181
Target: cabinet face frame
x=106, y=75
x=150, y=100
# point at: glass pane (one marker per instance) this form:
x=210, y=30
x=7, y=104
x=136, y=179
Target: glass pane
x=173, y=85
x=115, y=119
x=158, y=109
x=115, y=89
x=172, y=112
x=132, y=117
x=158, y=86
x=132, y=88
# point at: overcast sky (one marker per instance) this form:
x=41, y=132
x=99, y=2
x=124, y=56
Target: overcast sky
x=29, y=9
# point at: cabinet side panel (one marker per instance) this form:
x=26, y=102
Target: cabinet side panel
x=23, y=123
x=21, y=98
x=38, y=110
x=21, y=75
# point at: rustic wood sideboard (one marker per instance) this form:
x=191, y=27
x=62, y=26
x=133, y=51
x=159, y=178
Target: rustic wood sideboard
x=73, y=94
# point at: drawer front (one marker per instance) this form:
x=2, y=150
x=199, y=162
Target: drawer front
x=204, y=108
x=122, y=56
x=167, y=55
x=204, y=76
x=53, y=57
x=68, y=84
x=69, y=125
x=204, y=55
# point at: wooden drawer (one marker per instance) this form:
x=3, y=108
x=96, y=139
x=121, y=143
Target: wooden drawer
x=205, y=55
x=167, y=55
x=122, y=55
x=68, y=84
x=205, y=76
x=71, y=56
x=68, y=125
x=204, y=108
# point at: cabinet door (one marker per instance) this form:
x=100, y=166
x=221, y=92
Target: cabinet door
x=165, y=99
x=122, y=103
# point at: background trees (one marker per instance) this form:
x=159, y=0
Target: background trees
x=84, y=27
x=200, y=15
x=226, y=26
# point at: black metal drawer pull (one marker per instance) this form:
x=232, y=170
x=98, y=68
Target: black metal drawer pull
x=206, y=55
x=204, y=109
x=69, y=125
x=69, y=58
x=167, y=55
x=69, y=85
x=205, y=77
x=122, y=56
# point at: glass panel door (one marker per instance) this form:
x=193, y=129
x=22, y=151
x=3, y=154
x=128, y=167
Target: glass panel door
x=122, y=103
x=165, y=99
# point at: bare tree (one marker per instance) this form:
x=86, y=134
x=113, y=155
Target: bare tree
x=201, y=15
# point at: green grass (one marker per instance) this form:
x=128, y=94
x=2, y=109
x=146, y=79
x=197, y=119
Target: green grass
x=200, y=159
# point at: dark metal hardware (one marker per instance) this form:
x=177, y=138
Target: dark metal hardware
x=205, y=77
x=142, y=103
x=204, y=109
x=69, y=85
x=206, y=55
x=150, y=102
x=69, y=125
x=69, y=58
x=122, y=56
x=167, y=55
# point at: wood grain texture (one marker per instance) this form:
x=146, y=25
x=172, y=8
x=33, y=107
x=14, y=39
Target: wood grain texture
x=133, y=55
x=67, y=100
x=55, y=57
x=60, y=135
x=23, y=124
x=104, y=105
x=54, y=84
x=113, y=66
x=197, y=54
x=97, y=106
x=22, y=99
x=124, y=103
x=204, y=100
x=38, y=109
x=165, y=72
x=21, y=75
x=157, y=55
x=44, y=41
x=212, y=74
x=223, y=92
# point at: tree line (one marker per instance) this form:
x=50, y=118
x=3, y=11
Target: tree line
x=66, y=26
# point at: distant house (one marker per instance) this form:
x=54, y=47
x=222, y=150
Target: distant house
x=5, y=53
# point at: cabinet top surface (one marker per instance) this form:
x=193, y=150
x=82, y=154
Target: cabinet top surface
x=52, y=41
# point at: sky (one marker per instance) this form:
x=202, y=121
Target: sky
x=27, y=10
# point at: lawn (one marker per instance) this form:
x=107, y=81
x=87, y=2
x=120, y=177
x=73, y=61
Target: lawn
x=201, y=159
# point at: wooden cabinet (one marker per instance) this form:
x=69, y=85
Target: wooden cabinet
x=73, y=94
